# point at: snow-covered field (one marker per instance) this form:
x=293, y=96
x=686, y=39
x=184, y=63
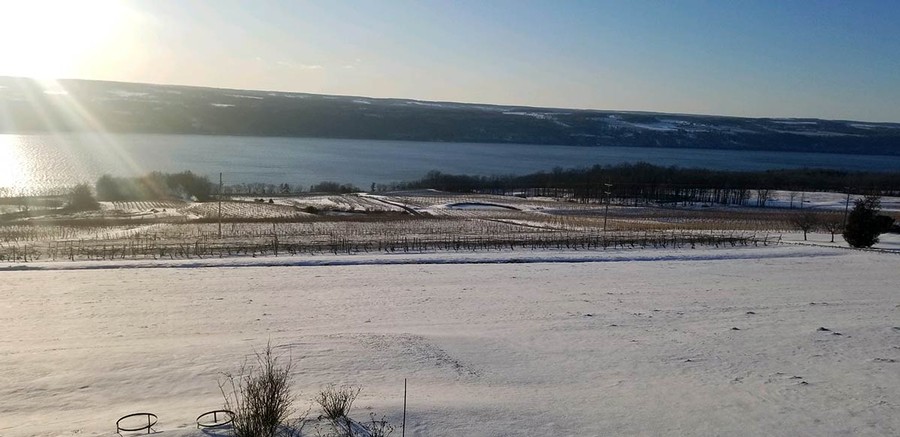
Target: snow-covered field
x=824, y=201
x=642, y=342
x=885, y=241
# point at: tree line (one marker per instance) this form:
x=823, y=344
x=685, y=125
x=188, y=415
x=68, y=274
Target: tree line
x=638, y=183
x=154, y=186
x=643, y=182
x=190, y=186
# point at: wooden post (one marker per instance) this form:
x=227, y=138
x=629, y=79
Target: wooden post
x=220, y=205
x=606, y=211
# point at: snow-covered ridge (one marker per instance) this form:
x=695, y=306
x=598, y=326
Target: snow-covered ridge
x=241, y=96
x=126, y=94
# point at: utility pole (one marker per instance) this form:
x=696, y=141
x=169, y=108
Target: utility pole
x=846, y=208
x=608, y=192
x=220, y=205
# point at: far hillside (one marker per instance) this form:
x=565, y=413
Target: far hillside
x=30, y=106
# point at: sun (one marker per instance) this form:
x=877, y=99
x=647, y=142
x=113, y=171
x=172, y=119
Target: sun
x=54, y=38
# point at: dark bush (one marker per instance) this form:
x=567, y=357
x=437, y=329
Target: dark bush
x=863, y=224
x=154, y=186
x=82, y=199
x=333, y=187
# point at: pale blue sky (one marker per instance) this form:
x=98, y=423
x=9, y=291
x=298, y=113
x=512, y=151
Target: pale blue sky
x=830, y=59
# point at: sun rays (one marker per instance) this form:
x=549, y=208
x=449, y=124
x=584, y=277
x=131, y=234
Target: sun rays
x=49, y=39
x=79, y=137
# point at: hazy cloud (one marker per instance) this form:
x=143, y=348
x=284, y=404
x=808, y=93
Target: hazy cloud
x=356, y=62
x=289, y=64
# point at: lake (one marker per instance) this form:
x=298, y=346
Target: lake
x=38, y=164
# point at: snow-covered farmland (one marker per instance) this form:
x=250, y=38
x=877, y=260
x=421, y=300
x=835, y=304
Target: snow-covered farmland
x=153, y=209
x=783, y=341
x=824, y=201
x=243, y=210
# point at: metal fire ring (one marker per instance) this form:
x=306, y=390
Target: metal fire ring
x=151, y=420
x=216, y=422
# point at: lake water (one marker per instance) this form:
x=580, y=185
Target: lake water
x=34, y=164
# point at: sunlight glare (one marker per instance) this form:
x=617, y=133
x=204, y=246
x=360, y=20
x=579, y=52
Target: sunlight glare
x=51, y=39
x=12, y=174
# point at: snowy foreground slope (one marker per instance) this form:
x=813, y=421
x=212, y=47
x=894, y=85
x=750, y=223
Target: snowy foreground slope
x=561, y=343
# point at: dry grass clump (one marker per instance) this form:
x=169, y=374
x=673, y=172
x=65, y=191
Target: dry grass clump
x=337, y=401
x=259, y=395
x=261, y=400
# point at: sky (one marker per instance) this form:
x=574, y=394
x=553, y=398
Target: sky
x=759, y=58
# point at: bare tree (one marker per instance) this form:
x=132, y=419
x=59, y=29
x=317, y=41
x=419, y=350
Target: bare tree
x=793, y=195
x=833, y=223
x=762, y=196
x=805, y=221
